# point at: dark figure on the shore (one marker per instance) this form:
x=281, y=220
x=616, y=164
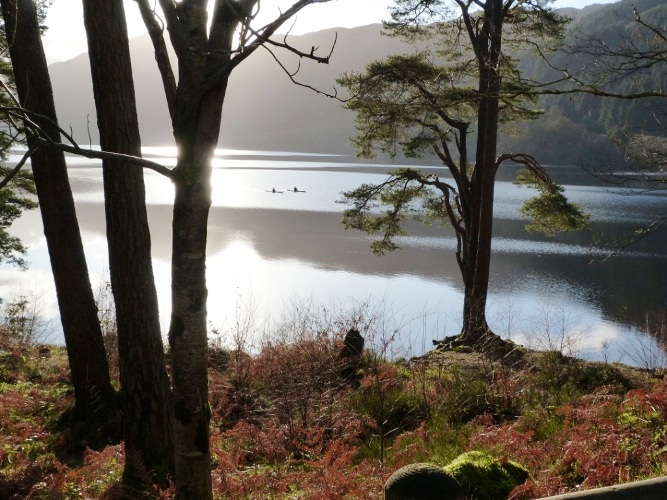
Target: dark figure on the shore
x=296, y=190
x=350, y=356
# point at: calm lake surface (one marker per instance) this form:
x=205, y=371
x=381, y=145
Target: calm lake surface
x=272, y=252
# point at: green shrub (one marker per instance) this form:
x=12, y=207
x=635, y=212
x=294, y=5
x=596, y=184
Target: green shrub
x=470, y=393
x=543, y=422
x=561, y=379
x=556, y=378
x=466, y=399
x=393, y=410
x=445, y=442
x=594, y=376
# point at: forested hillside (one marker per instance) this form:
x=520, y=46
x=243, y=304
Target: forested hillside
x=583, y=122
x=613, y=26
x=284, y=116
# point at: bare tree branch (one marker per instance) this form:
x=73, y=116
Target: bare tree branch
x=156, y=32
x=261, y=37
x=618, y=246
x=108, y=155
x=43, y=140
x=26, y=156
x=301, y=54
x=530, y=163
x=291, y=75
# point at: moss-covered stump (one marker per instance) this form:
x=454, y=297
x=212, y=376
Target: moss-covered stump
x=422, y=482
x=484, y=477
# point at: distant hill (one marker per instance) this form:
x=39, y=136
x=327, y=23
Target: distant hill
x=264, y=110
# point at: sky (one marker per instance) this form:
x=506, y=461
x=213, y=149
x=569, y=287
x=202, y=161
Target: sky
x=65, y=37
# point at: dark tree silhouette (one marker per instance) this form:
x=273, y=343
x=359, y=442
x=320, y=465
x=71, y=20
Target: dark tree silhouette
x=78, y=312
x=207, y=49
x=144, y=384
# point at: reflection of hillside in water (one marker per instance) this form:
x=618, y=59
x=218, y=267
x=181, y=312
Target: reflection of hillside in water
x=625, y=288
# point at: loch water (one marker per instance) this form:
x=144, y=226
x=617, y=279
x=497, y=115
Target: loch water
x=585, y=292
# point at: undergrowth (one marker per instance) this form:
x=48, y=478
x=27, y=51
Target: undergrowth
x=286, y=424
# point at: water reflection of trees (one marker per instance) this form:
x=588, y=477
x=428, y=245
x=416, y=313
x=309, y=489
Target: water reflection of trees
x=627, y=285
x=627, y=288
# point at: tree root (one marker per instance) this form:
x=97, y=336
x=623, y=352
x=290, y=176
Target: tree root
x=490, y=345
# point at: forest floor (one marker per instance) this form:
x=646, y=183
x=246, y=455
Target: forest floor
x=285, y=423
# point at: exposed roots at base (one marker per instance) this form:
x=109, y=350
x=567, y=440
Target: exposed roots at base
x=489, y=344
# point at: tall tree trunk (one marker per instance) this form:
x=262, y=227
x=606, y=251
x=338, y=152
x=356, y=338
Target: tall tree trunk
x=188, y=334
x=197, y=135
x=206, y=57
x=475, y=328
x=144, y=382
x=78, y=311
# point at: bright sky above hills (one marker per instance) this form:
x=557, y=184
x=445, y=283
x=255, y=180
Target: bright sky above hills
x=65, y=38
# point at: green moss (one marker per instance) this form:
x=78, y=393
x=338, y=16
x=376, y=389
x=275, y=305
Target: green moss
x=484, y=477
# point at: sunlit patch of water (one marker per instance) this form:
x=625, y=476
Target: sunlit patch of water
x=421, y=305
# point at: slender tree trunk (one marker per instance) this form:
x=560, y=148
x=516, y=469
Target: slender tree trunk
x=144, y=383
x=206, y=57
x=475, y=327
x=197, y=136
x=188, y=338
x=78, y=311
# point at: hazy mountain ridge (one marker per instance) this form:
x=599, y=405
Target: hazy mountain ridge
x=264, y=110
